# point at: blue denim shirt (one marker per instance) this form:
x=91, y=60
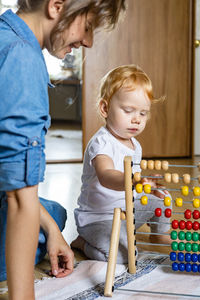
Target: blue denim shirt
x=24, y=80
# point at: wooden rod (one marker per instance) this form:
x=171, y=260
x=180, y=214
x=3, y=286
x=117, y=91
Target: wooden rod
x=114, y=243
x=129, y=214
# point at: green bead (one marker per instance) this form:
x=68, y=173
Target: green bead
x=188, y=247
x=195, y=236
x=181, y=246
x=181, y=235
x=199, y=247
x=173, y=235
x=195, y=247
x=188, y=236
x=174, y=246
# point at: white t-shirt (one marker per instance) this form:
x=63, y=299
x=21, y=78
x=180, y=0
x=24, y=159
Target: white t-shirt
x=96, y=203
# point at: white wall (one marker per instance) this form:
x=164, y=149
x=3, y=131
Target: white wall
x=197, y=85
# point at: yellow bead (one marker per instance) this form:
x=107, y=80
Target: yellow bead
x=167, y=201
x=185, y=190
x=179, y=202
x=196, y=203
x=139, y=188
x=196, y=191
x=144, y=200
x=147, y=188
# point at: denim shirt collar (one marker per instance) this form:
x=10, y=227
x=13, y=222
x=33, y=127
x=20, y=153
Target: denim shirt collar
x=24, y=32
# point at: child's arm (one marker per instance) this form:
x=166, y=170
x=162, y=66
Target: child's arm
x=106, y=173
x=60, y=254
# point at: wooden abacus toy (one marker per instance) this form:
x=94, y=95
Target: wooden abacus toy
x=189, y=260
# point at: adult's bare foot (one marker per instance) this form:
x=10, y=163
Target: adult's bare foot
x=78, y=243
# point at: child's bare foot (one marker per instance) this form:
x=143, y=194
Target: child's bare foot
x=160, y=239
x=78, y=243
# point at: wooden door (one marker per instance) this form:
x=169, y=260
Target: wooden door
x=157, y=35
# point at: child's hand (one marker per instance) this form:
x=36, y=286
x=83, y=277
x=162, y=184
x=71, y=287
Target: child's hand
x=154, y=184
x=61, y=256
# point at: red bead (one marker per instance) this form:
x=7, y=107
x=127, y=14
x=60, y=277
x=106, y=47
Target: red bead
x=175, y=224
x=182, y=224
x=195, y=225
x=188, y=214
x=168, y=212
x=158, y=212
x=196, y=214
x=189, y=225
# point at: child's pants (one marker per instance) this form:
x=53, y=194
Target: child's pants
x=54, y=209
x=97, y=235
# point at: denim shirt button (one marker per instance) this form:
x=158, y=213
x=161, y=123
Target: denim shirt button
x=34, y=143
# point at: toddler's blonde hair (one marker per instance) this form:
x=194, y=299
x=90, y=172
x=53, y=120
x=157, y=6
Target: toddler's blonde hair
x=128, y=77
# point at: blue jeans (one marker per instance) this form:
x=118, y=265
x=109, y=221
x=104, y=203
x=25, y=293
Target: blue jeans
x=57, y=212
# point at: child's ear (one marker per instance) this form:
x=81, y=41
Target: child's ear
x=54, y=8
x=103, y=107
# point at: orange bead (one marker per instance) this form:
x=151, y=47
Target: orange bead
x=137, y=176
x=168, y=177
x=143, y=164
x=165, y=165
x=157, y=165
x=186, y=178
x=150, y=164
x=175, y=178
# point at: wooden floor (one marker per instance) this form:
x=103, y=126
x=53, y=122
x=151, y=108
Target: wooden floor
x=62, y=184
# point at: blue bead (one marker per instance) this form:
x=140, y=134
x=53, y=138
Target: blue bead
x=194, y=268
x=180, y=256
x=181, y=267
x=187, y=257
x=173, y=256
x=198, y=257
x=188, y=267
x=194, y=257
x=199, y=268
x=175, y=266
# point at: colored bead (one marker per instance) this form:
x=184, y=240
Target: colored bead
x=188, y=267
x=174, y=246
x=196, y=214
x=181, y=267
x=195, y=236
x=168, y=177
x=194, y=257
x=196, y=191
x=187, y=257
x=147, y=188
x=158, y=165
x=188, y=225
x=173, y=235
x=195, y=225
x=196, y=203
x=186, y=178
x=199, y=249
x=179, y=202
x=182, y=224
x=185, y=190
x=181, y=235
x=167, y=201
x=199, y=268
x=188, y=236
x=168, y=212
x=188, y=214
x=158, y=212
x=198, y=257
x=194, y=268
x=150, y=164
x=144, y=200
x=181, y=246
x=175, y=224
x=188, y=247
x=137, y=176
x=172, y=256
x=180, y=256
x=143, y=164
x=175, y=178
x=175, y=266
x=165, y=165
x=139, y=188
x=195, y=247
